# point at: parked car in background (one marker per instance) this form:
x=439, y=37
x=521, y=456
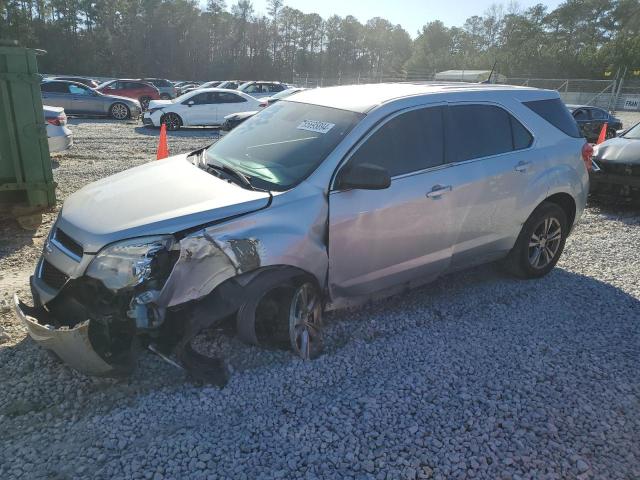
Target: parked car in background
x=202, y=107
x=165, y=87
x=187, y=87
x=325, y=200
x=141, y=91
x=281, y=95
x=78, y=99
x=59, y=137
x=89, y=82
x=235, y=119
x=262, y=89
x=591, y=119
x=616, y=165
x=212, y=84
x=231, y=84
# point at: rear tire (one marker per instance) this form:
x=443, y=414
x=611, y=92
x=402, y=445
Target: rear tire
x=172, y=121
x=540, y=243
x=119, y=111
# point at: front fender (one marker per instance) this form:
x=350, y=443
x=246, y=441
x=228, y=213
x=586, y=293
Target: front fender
x=291, y=232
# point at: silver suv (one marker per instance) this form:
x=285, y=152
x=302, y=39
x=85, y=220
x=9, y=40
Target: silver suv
x=323, y=200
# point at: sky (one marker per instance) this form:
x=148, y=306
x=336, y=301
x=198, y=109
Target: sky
x=411, y=14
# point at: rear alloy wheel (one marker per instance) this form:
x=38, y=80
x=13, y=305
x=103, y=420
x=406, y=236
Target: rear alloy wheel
x=545, y=242
x=144, y=102
x=172, y=121
x=119, y=111
x=540, y=242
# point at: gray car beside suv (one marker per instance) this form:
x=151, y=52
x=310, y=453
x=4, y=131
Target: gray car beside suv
x=326, y=199
x=79, y=99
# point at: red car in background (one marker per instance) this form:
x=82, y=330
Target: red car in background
x=141, y=91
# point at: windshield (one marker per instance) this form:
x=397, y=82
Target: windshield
x=284, y=144
x=633, y=133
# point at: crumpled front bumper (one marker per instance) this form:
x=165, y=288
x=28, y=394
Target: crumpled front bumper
x=72, y=345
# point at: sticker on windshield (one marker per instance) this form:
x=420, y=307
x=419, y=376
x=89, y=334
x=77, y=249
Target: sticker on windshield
x=316, y=126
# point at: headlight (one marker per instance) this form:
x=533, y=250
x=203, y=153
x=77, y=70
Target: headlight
x=128, y=263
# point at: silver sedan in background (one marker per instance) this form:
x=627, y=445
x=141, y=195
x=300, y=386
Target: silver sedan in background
x=78, y=99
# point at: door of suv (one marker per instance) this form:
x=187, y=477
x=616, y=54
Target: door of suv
x=382, y=238
x=489, y=154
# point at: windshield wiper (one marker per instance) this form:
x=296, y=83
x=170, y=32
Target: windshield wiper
x=231, y=173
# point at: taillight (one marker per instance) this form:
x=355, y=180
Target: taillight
x=587, y=154
x=263, y=104
x=59, y=121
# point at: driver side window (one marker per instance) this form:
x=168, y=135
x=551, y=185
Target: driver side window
x=77, y=90
x=410, y=142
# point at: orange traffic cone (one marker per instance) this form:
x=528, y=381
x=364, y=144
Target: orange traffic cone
x=163, y=148
x=603, y=134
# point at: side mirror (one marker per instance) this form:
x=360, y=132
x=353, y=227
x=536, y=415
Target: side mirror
x=191, y=103
x=365, y=176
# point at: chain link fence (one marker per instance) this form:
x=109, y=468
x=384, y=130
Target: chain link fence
x=616, y=94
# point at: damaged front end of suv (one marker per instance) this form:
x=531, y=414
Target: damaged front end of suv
x=108, y=284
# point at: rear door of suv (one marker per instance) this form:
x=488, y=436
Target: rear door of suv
x=491, y=156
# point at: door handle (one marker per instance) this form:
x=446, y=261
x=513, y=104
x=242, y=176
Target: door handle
x=438, y=190
x=522, y=166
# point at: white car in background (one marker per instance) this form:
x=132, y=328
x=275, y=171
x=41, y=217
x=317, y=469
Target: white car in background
x=202, y=107
x=60, y=138
x=262, y=89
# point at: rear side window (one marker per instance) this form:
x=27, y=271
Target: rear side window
x=555, y=112
x=225, y=97
x=54, y=87
x=477, y=131
x=407, y=143
x=521, y=136
x=159, y=83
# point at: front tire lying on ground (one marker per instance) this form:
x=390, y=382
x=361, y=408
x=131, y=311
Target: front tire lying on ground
x=172, y=121
x=119, y=111
x=540, y=243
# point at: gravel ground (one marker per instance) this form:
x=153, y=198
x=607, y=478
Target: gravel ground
x=476, y=375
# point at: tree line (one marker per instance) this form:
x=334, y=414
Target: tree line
x=178, y=39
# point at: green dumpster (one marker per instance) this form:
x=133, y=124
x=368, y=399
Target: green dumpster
x=26, y=178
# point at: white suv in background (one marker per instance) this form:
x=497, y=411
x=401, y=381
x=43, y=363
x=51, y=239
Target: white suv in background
x=201, y=107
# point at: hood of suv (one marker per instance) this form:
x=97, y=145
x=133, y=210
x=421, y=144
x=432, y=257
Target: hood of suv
x=160, y=197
